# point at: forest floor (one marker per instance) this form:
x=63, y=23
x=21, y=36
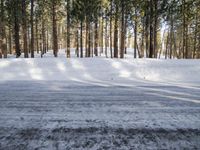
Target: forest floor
x=99, y=103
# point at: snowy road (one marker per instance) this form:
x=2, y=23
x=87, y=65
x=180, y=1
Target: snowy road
x=55, y=115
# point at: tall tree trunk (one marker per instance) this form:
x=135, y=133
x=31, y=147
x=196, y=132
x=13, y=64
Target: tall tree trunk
x=155, y=27
x=54, y=31
x=43, y=51
x=102, y=33
x=68, y=29
x=179, y=50
x=116, y=33
x=47, y=40
x=143, y=33
x=81, y=40
x=89, y=39
x=175, y=46
x=186, y=33
x=1, y=27
x=32, y=30
x=195, y=36
x=92, y=40
x=147, y=29
x=24, y=29
x=184, y=29
x=96, y=38
x=86, y=38
x=77, y=43
x=40, y=45
x=125, y=31
x=10, y=40
x=171, y=34
x=37, y=41
x=151, y=30
x=28, y=40
x=135, y=35
x=106, y=38
x=167, y=43
x=111, y=50
x=16, y=32
x=3, y=46
x=122, y=31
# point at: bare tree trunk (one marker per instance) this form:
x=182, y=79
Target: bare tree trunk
x=195, y=37
x=24, y=29
x=47, y=40
x=135, y=35
x=179, y=52
x=155, y=27
x=111, y=50
x=147, y=29
x=116, y=34
x=81, y=40
x=3, y=46
x=171, y=34
x=10, y=40
x=122, y=32
x=142, y=41
x=43, y=50
x=175, y=46
x=1, y=27
x=167, y=43
x=198, y=53
x=40, y=45
x=106, y=39
x=184, y=31
x=151, y=30
x=68, y=29
x=16, y=32
x=89, y=39
x=37, y=41
x=102, y=33
x=77, y=43
x=125, y=31
x=96, y=39
x=92, y=40
x=54, y=27
x=32, y=30
x=86, y=38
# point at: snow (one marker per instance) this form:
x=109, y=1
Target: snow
x=102, y=70
x=99, y=103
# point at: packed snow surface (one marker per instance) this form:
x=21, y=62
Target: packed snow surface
x=99, y=103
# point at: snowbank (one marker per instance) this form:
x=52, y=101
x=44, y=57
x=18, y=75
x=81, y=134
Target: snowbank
x=101, y=71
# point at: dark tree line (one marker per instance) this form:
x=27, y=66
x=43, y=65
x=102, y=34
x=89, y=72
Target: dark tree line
x=153, y=28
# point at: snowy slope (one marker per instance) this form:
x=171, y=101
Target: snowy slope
x=101, y=71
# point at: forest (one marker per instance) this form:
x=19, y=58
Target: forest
x=152, y=28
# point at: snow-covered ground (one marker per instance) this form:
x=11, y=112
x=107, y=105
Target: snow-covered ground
x=102, y=71
x=99, y=103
